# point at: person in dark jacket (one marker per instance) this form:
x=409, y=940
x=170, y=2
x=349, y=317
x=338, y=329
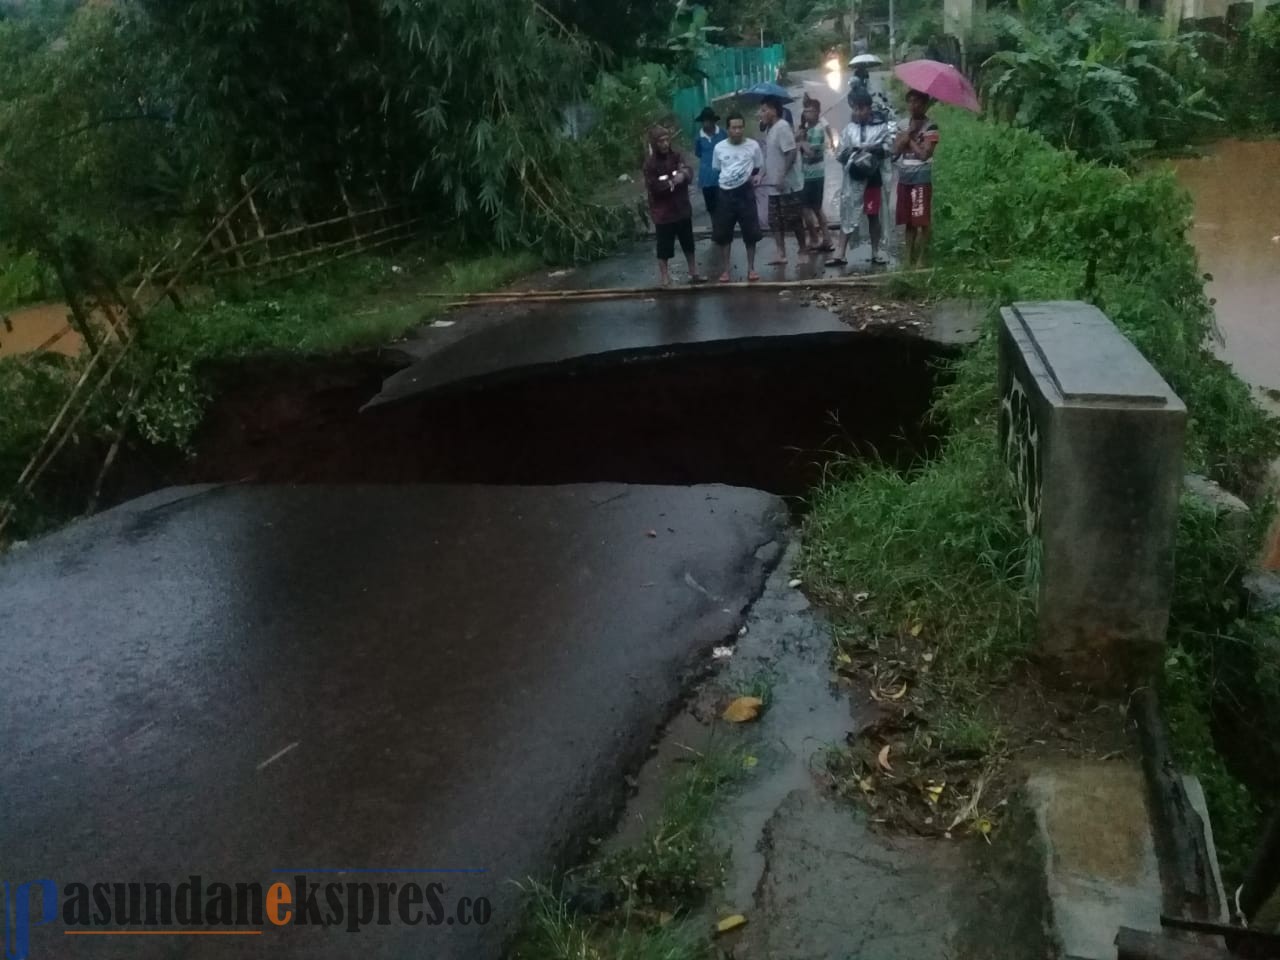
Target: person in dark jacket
x=667, y=176
x=704, y=148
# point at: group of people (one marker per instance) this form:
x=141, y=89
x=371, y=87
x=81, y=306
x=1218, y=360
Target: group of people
x=781, y=181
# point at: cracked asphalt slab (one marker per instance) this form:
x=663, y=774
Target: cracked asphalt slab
x=234, y=681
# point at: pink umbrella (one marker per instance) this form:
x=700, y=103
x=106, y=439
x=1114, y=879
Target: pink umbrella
x=941, y=81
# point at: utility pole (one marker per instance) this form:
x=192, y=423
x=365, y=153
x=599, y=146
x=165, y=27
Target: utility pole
x=893, y=43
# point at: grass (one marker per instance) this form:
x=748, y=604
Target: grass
x=642, y=896
x=941, y=548
x=555, y=932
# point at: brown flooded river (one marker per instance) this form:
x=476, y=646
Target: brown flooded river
x=1237, y=233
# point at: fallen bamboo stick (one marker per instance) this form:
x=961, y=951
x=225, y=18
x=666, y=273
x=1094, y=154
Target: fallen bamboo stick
x=625, y=293
x=520, y=295
x=122, y=430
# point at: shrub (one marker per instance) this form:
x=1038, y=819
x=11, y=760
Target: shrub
x=1099, y=79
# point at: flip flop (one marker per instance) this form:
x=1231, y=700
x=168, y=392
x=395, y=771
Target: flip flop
x=777, y=263
x=879, y=261
x=697, y=278
x=827, y=248
x=753, y=277
x=837, y=262
x=724, y=278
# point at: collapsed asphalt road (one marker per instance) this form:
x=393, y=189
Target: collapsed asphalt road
x=240, y=683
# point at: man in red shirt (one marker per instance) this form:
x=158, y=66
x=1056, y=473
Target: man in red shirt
x=667, y=176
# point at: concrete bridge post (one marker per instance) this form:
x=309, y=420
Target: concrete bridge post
x=1093, y=436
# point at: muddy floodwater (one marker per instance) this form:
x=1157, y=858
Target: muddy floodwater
x=1237, y=233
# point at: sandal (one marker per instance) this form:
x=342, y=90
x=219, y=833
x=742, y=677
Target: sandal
x=878, y=261
x=753, y=277
x=697, y=279
x=724, y=277
x=837, y=262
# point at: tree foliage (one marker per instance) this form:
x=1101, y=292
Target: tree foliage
x=1099, y=79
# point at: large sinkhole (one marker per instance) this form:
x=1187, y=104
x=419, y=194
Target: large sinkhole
x=772, y=416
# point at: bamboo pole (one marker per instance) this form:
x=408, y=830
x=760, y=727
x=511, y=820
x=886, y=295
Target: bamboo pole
x=294, y=231
x=351, y=211
x=40, y=460
x=350, y=253
x=125, y=416
x=253, y=209
x=620, y=293
x=311, y=251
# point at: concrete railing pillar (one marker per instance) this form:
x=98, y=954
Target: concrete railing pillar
x=1093, y=435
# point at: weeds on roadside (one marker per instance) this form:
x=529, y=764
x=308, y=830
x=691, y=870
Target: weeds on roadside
x=554, y=931
x=678, y=861
x=633, y=903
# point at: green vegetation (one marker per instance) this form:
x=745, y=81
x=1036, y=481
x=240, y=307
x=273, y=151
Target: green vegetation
x=942, y=554
x=1250, y=77
x=366, y=303
x=1099, y=79
x=641, y=897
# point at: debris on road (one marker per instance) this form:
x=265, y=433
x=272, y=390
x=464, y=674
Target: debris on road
x=729, y=924
x=743, y=710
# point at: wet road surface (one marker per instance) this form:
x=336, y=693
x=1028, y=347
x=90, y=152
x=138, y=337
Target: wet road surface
x=239, y=680
x=613, y=333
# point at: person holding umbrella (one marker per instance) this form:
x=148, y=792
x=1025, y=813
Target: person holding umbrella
x=704, y=148
x=916, y=142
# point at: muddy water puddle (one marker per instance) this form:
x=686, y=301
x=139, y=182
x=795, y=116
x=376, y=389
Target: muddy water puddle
x=40, y=327
x=1236, y=189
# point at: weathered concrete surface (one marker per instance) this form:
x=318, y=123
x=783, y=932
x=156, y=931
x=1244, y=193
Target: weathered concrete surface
x=240, y=680
x=1094, y=437
x=1101, y=866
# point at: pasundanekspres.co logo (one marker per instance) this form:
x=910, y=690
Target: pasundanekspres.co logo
x=195, y=907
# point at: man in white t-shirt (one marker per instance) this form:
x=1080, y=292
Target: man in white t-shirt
x=738, y=161
x=784, y=177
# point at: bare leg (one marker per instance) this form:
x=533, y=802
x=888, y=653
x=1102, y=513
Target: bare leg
x=922, y=246
x=693, y=267
x=824, y=229
x=779, y=245
x=814, y=240
x=726, y=257
x=751, y=262
x=877, y=233
x=664, y=273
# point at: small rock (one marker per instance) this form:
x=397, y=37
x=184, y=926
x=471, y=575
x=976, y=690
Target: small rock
x=743, y=632
x=722, y=653
x=795, y=584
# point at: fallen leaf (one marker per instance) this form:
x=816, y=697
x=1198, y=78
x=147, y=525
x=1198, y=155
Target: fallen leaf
x=928, y=658
x=749, y=762
x=884, y=759
x=743, y=710
x=934, y=790
x=731, y=923
x=861, y=597
x=917, y=629
x=867, y=785
x=899, y=693
x=664, y=918
x=844, y=659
